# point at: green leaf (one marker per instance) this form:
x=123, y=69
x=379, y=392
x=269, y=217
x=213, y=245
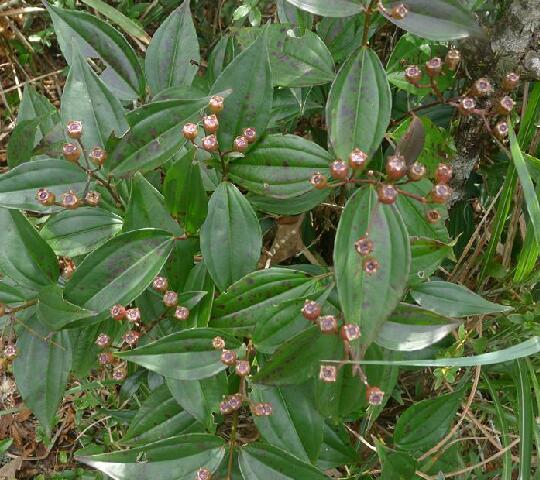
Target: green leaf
x=146, y=208
x=411, y=328
x=295, y=424
x=426, y=257
x=230, y=236
x=336, y=8
x=19, y=185
x=199, y=279
x=521, y=350
x=119, y=270
x=336, y=449
x=186, y=355
x=295, y=60
x=34, y=105
x=19, y=148
x=154, y=135
x=180, y=262
x=531, y=199
x=55, y=312
x=77, y=232
x=174, y=458
x=220, y=56
x=299, y=358
x=200, y=398
x=41, y=370
x=280, y=166
x=250, y=103
x=13, y=293
x=159, y=417
x=259, y=461
x=117, y=17
x=86, y=98
x=396, y=465
x=5, y=444
x=96, y=38
x=359, y=105
x=368, y=299
x=525, y=416
x=290, y=206
x=426, y=422
x=238, y=307
x=25, y=257
x=184, y=191
x=440, y=20
x=453, y=300
x=173, y=53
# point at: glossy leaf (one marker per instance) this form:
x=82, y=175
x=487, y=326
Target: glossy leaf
x=250, y=102
x=96, y=38
x=184, y=192
x=200, y=279
x=146, y=208
x=154, y=135
x=35, y=105
x=299, y=358
x=173, y=53
x=19, y=148
x=426, y=256
x=238, y=307
x=336, y=449
x=259, y=461
x=359, y=105
x=426, y=422
x=86, y=98
x=55, y=312
x=368, y=299
x=200, y=398
x=77, y=232
x=159, y=417
x=411, y=328
x=295, y=60
x=336, y=8
x=10, y=292
x=186, y=355
x=18, y=186
x=280, y=166
x=119, y=270
x=25, y=257
x=174, y=458
x=437, y=19
x=230, y=236
x=295, y=424
x=453, y=300
x=41, y=370
x=290, y=206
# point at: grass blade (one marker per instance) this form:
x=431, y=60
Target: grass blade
x=525, y=414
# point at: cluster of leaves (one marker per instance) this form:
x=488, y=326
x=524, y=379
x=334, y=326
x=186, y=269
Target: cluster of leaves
x=189, y=215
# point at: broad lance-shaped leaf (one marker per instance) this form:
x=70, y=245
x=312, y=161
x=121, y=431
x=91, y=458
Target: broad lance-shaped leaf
x=119, y=270
x=41, y=370
x=11, y=292
x=18, y=186
x=359, y=104
x=77, y=232
x=33, y=105
x=175, y=458
x=368, y=298
x=250, y=103
x=439, y=20
x=184, y=191
x=335, y=8
x=290, y=206
x=25, y=257
x=55, y=312
x=186, y=355
x=425, y=423
x=238, y=307
x=200, y=398
x=159, y=417
x=411, y=328
x=280, y=166
x=230, y=236
x=146, y=208
x=395, y=465
x=426, y=256
x=86, y=98
x=295, y=424
x=453, y=300
x=154, y=135
x=259, y=461
x=173, y=53
x=96, y=38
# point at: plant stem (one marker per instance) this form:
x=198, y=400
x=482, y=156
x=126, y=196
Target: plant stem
x=367, y=22
x=232, y=442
